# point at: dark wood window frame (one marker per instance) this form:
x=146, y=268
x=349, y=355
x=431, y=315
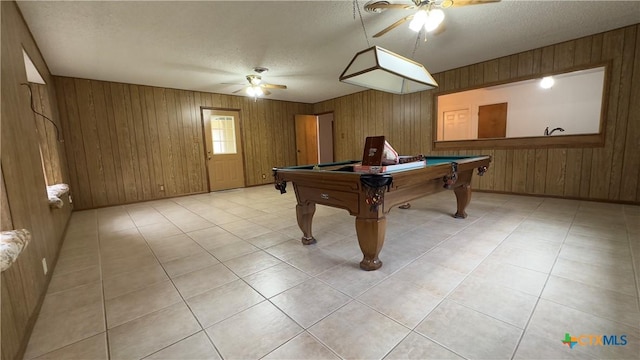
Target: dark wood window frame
x=564, y=141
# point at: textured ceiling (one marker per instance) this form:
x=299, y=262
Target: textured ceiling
x=205, y=45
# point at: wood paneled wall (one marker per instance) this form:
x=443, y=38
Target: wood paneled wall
x=607, y=173
x=123, y=141
x=24, y=194
x=51, y=147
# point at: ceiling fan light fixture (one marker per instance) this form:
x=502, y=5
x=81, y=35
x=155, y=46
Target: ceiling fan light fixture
x=419, y=19
x=380, y=69
x=254, y=79
x=255, y=91
x=434, y=18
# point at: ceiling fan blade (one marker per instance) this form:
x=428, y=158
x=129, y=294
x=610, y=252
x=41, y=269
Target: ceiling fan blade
x=273, y=86
x=439, y=30
x=458, y=3
x=393, y=26
x=383, y=5
x=237, y=91
x=266, y=92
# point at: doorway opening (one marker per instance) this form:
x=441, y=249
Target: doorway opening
x=314, y=139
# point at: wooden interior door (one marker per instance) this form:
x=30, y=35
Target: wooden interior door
x=307, y=139
x=225, y=165
x=492, y=121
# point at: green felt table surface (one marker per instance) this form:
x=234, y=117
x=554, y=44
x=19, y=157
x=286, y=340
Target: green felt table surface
x=436, y=160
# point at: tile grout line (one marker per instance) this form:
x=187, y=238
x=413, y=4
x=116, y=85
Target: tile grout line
x=180, y=294
x=354, y=297
x=177, y=291
x=634, y=261
x=147, y=286
x=239, y=278
x=412, y=330
x=96, y=228
x=78, y=286
x=445, y=297
x=539, y=297
x=268, y=299
x=104, y=301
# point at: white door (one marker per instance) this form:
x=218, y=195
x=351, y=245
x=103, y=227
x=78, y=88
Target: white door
x=457, y=125
x=225, y=166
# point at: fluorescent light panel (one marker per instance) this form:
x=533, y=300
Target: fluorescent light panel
x=380, y=69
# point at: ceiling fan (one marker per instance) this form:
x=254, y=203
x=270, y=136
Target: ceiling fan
x=429, y=14
x=257, y=87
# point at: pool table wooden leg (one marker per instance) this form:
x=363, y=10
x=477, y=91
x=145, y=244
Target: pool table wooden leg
x=463, y=197
x=371, y=238
x=304, y=214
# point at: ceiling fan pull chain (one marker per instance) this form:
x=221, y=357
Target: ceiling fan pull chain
x=415, y=46
x=357, y=6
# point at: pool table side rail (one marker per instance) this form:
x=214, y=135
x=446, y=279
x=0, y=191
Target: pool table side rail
x=437, y=171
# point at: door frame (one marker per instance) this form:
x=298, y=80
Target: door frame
x=333, y=129
x=204, y=141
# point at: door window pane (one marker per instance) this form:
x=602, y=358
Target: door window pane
x=223, y=133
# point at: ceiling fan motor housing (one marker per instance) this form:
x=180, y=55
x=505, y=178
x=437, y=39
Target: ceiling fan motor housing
x=374, y=6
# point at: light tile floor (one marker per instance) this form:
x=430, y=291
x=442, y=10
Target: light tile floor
x=224, y=275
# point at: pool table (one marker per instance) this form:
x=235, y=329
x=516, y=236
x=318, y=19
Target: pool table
x=369, y=196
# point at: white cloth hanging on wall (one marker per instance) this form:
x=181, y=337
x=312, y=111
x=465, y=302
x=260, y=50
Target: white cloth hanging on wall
x=11, y=245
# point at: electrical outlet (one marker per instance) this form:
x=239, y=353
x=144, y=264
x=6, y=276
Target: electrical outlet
x=161, y=187
x=264, y=176
x=44, y=266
